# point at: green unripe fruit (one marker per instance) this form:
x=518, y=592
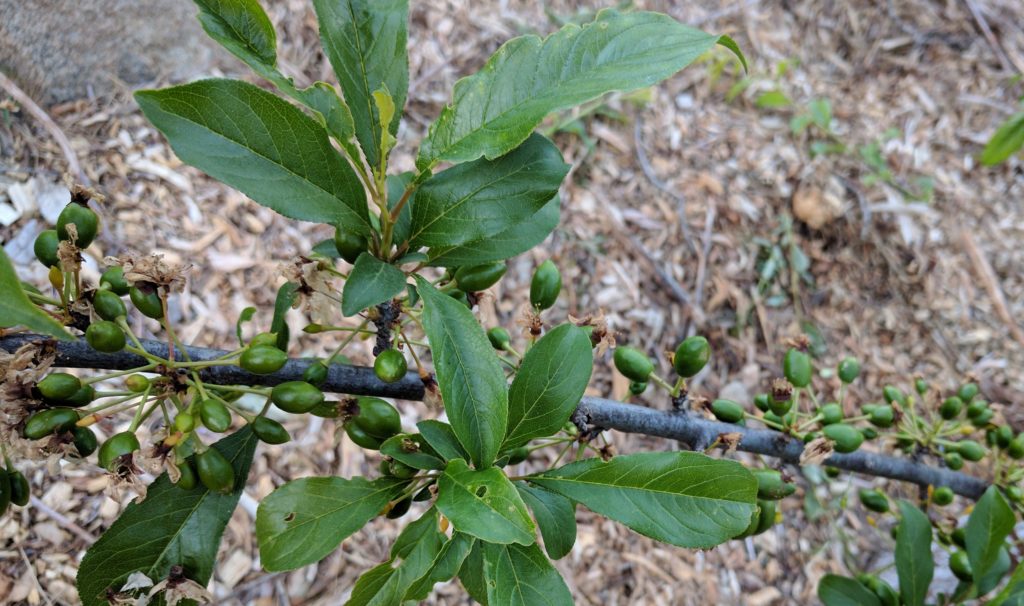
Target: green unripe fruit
x=867, y=409
x=761, y=402
x=1004, y=435
x=215, y=416
x=263, y=359
x=187, y=479
x=845, y=438
x=390, y=366
x=797, y=367
x=136, y=383
x=85, y=440
x=832, y=472
x=84, y=396
x=883, y=416
x=1016, y=447
x=399, y=509
x=990, y=437
x=296, y=397
x=848, y=370
x=959, y=537
x=545, y=286
x=361, y=438
x=86, y=223
x=780, y=407
x=874, y=500
x=113, y=279
x=118, y=446
x=48, y=422
x=727, y=411
x=921, y=386
x=893, y=394
x=402, y=471
x=953, y=460
x=766, y=516
x=770, y=485
x=755, y=520
x=479, y=277
x=960, y=565
x=1014, y=494
x=349, y=245
x=184, y=422
x=633, y=363
x=967, y=391
x=58, y=386
x=811, y=436
x=942, y=496
x=5, y=491
x=970, y=450
x=951, y=408
x=882, y=590
x=518, y=455
x=460, y=296
x=45, y=247
x=831, y=414
x=869, y=433
x=377, y=418
x=637, y=387
x=691, y=356
x=108, y=305
x=499, y=338
x=215, y=471
x=20, y=491
x=270, y=431
x=268, y=339
x=976, y=408
x=327, y=409
x=983, y=419
x=105, y=336
x=147, y=301
x=315, y=373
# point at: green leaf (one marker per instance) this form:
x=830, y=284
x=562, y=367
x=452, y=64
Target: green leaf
x=370, y=282
x=243, y=318
x=556, y=517
x=772, y=99
x=914, y=564
x=304, y=520
x=446, y=565
x=242, y=27
x=412, y=450
x=170, y=527
x=484, y=504
x=821, y=113
x=327, y=249
x=396, y=187
x=1008, y=139
x=990, y=580
x=834, y=590
x=468, y=373
x=365, y=42
x=286, y=296
x=263, y=146
x=682, y=498
x=548, y=385
x=517, y=239
x=471, y=574
x=331, y=111
x=386, y=113
x=518, y=575
x=496, y=109
x=442, y=439
x=482, y=198
x=1013, y=593
x=987, y=527
x=412, y=557
x=17, y=310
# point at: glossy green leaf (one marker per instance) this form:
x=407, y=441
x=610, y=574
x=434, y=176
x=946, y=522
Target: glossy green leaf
x=471, y=574
x=243, y=318
x=473, y=201
x=327, y=249
x=17, y=310
x=515, y=240
x=286, y=296
x=556, y=518
x=412, y=557
x=987, y=527
x=682, y=498
x=365, y=42
x=263, y=146
x=496, y=109
x=1013, y=593
x=412, y=450
x=370, y=282
x=446, y=565
x=242, y=27
x=484, y=504
x=991, y=579
x=549, y=384
x=1008, y=139
x=396, y=187
x=834, y=590
x=468, y=373
x=170, y=527
x=442, y=439
x=518, y=575
x=304, y=520
x=914, y=563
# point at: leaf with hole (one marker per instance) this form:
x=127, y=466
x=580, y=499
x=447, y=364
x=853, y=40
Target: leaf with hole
x=484, y=504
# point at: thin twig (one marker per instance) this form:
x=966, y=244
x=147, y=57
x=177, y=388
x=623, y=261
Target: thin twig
x=645, y=165
x=988, y=277
x=26, y=102
x=993, y=42
x=689, y=428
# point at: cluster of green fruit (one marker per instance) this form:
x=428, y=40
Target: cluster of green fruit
x=13, y=488
x=690, y=357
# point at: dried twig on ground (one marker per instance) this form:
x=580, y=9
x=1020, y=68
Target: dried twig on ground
x=991, y=282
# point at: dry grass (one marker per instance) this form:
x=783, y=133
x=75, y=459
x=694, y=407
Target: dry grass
x=911, y=289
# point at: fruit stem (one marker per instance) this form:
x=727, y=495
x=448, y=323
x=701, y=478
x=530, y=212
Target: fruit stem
x=663, y=384
x=119, y=373
x=138, y=412
x=42, y=299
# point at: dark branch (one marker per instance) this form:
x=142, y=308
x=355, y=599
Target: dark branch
x=609, y=414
